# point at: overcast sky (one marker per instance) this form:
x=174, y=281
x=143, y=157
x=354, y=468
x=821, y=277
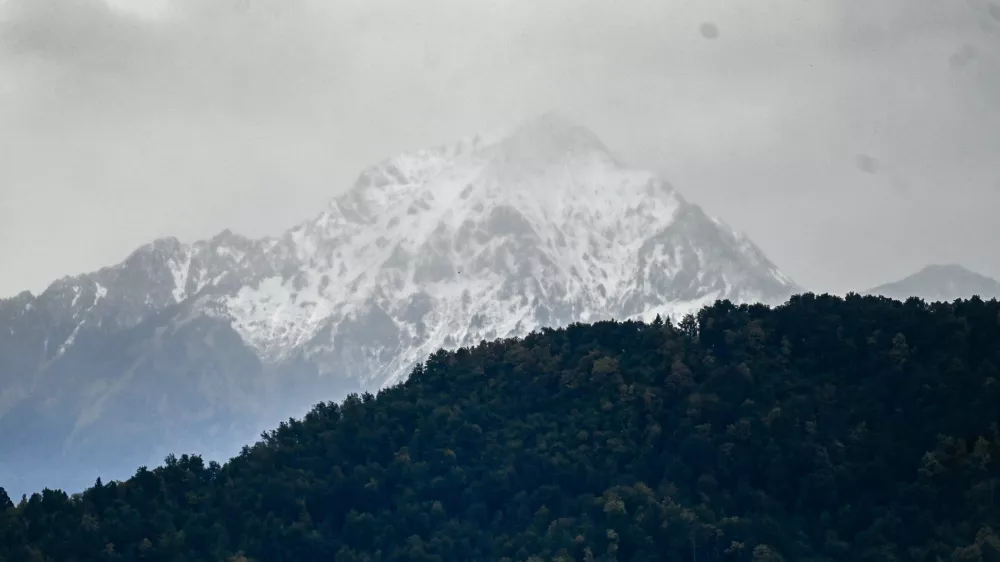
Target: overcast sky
x=854, y=141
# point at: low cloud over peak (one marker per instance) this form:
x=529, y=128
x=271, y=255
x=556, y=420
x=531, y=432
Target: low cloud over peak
x=183, y=118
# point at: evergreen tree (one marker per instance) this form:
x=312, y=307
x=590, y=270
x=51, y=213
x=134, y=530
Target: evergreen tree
x=825, y=429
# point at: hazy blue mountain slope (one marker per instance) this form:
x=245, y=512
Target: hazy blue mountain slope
x=189, y=347
x=940, y=283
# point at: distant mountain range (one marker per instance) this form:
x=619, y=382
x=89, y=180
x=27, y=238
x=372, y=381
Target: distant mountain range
x=200, y=346
x=940, y=283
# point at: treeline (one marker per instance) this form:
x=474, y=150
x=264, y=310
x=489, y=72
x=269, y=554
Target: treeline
x=826, y=429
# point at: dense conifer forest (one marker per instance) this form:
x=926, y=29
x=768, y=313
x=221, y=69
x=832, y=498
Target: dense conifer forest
x=825, y=429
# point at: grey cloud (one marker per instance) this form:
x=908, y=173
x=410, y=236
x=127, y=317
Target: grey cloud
x=205, y=57
x=867, y=164
x=64, y=31
x=251, y=114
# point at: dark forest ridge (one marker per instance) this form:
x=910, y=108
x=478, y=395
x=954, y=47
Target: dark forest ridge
x=854, y=429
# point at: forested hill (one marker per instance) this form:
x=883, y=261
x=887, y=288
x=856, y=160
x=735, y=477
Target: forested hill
x=857, y=429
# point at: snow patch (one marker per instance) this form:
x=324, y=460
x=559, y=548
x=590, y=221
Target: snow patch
x=179, y=270
x=483, y=239
x=100, y=293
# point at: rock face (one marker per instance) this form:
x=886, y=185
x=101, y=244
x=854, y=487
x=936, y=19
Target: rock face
x=940, y=283
x=200, y=346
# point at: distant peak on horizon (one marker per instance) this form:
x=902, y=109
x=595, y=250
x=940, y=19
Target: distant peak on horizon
x=950, y=270
x=940, y=282
x=946, y=267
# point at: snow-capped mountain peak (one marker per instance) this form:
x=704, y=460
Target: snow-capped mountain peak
x=489, y=237
x=492, y=236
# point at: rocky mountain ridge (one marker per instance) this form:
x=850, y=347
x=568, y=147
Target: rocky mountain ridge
x=485, y=238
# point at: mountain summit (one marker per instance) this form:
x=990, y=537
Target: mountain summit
x=485, y=238
x=482, y=239
x=938, y=282
x=548, y=140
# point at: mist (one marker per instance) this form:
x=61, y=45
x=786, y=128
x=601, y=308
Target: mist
x=854, y=142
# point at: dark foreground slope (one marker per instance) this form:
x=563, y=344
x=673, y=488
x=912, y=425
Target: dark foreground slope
x=826, y=429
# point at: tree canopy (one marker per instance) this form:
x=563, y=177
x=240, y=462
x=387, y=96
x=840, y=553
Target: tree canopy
x=825, y=429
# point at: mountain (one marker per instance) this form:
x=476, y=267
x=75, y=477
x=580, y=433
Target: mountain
x=198, y=345
x=940, y=283
x=826, y=429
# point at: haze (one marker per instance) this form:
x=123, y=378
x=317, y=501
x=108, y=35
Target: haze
x=854, y=141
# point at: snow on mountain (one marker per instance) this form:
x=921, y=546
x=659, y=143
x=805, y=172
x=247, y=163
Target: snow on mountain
x=489, y=237
x=481, y=239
